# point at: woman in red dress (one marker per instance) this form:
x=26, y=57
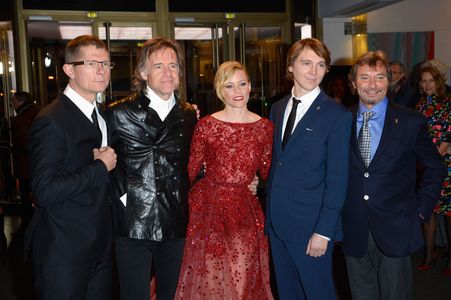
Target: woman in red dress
x=226, y=252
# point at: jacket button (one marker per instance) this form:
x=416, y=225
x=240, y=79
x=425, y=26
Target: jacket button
x=178, y=149
x=182, y=120
x=181, y=134
x=175, y=177
x=366, y=174
x=366, y=197
x=156, y=177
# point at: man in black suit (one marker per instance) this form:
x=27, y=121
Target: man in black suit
x=70, y=233
x=383, y=212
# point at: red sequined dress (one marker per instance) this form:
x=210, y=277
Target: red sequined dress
x=226, y=252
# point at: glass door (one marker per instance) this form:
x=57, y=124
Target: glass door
x=7, y=89
x=47, y=40
x=124, y=42
x=206, y=46
x=262, y=51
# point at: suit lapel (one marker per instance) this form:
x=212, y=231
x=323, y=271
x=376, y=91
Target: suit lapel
x=310, y=116
x=388, y=132
x=108, y=134
x=80, y=121
x=278, y=122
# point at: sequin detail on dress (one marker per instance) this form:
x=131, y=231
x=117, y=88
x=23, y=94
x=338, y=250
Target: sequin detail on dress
x=226, y=252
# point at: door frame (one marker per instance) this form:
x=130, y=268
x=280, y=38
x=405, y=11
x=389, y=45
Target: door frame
x=161, y=20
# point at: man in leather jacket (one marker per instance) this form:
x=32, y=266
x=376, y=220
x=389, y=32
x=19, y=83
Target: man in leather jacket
x=151, y=135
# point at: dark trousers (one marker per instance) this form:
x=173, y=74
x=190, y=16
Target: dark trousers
x=298, y=275
x=135, y=259
x=91, y=281
x=378, y=277
x=27, y=206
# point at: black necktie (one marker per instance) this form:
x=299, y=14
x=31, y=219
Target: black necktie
x=95, y=120
x=290, y=122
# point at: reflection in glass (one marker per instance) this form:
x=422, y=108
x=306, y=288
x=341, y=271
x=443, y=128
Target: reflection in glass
x=124, y=46
x=203, y=49
x=264, y=58
x=48, y=40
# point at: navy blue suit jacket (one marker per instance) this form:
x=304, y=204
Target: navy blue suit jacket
x=308, y=179
x=383, y=197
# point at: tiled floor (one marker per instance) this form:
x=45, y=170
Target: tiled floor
x=16, y=277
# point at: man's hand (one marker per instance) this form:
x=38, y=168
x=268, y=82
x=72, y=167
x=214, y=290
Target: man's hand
x=107, y=156
x=197, y=110
x=253, y=185
x=317, y=246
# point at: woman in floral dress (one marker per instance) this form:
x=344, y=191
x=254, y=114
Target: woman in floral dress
x=226, y=252
x=436, y=107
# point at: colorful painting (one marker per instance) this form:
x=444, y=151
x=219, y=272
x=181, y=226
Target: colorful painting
x=410, y=48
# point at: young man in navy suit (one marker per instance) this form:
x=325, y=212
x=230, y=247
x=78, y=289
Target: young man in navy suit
x=383, y=212
x=70, y=233
x=308, y=179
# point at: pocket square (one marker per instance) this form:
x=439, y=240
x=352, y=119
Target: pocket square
x=308, y=129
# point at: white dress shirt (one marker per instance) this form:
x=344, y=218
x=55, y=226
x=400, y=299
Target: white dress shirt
x=306, y=102
x=86, y=107
x=161, y=106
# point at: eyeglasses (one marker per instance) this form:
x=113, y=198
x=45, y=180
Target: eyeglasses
x=91, y=64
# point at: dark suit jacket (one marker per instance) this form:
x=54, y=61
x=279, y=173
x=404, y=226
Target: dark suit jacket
x=20, y=127
x=308, y=179
x=72, y=222
x=391, y=207
x=407, y=96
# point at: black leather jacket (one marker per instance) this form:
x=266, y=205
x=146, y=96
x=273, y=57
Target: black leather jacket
x=152, y=169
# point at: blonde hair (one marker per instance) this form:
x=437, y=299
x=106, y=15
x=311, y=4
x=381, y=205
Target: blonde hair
x=225, y=71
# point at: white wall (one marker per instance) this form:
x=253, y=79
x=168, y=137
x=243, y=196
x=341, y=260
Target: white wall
x=404, y=16
x=339, y=44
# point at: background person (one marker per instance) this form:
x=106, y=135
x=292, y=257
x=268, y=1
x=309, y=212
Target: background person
x=26, y=112
x=436, y=107
x=338, y=89
x=399, y=91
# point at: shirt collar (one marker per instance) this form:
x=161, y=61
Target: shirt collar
x=83, y=104
x=308, y=98
x=378, y=109
x=157, y=103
